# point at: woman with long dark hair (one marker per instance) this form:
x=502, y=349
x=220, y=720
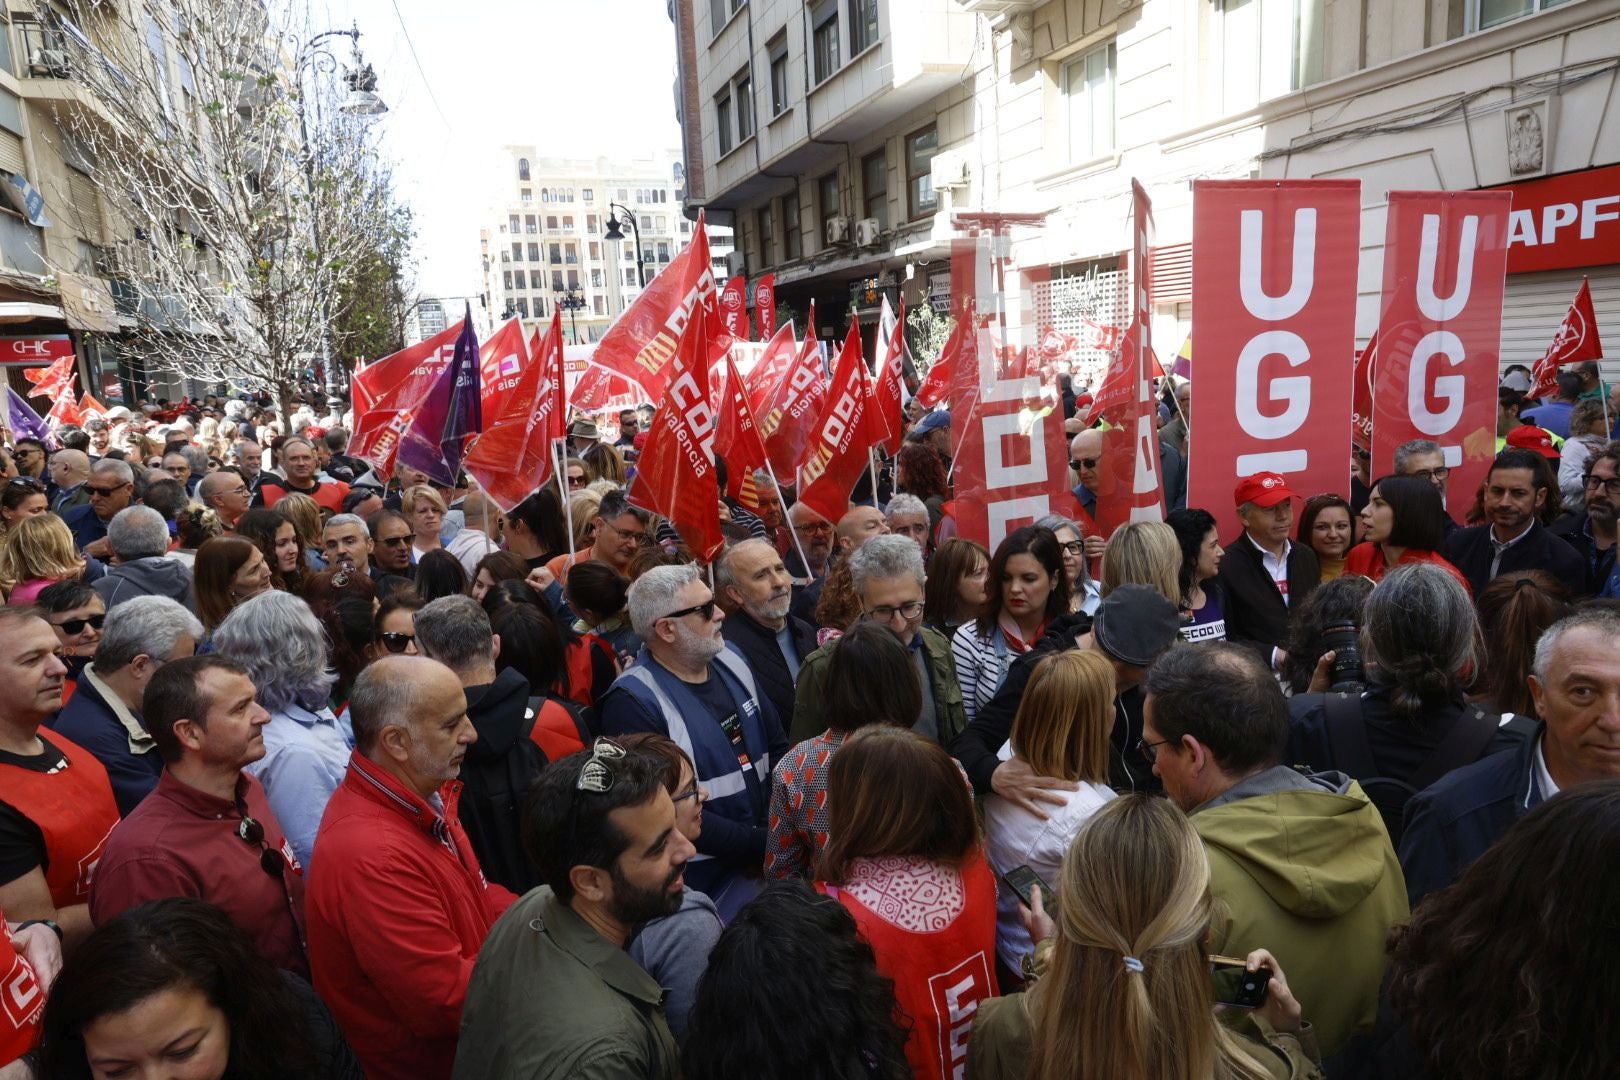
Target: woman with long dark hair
x=1026, y=589
x=1201, y=556
x=229, y=570
x=277, y=539
x=172, y=988
x=1514, y=610
x=919, y=471
x=1404, y=523
x=955, y=593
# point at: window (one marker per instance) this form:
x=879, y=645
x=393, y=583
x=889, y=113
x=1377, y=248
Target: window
x=506, y=280
x=545, y=195
x=599, y=306
x=556, y=254
x=1088, y=91
x=592, y=224
x=551, y=222
x=523, y=169
x=534, y=252
x=530, y=225
x=662, y=223
x=589, y=195
x=863, y=25
x=512, y=223
x=722, y=123
x=570, y=254
x=517, y=252
x=556, y=281
x=1494, y=12
x=629, y=251
x=743, y=90
x=646, y=223
x=596, y=279
x=630, y=276
x=921, y=147
x=663, y=251
x=825, y=39
x=1255, y=40
x=792, y=241
x=767, y=236
x=568, y=223
x=573, y=279
x=718, y=14
x=596, y=250
x=522, y=308
x=827, y=196
x=517, y=280
x=875, y=188
x=624, y=194
x=527, y=195
x=779, y=76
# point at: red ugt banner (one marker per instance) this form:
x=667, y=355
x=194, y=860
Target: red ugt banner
x=1274, y=271
x=1445, y=257
x=734, y=308
x=765, y=306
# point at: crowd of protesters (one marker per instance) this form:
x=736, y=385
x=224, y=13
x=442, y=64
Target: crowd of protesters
x=310, y=771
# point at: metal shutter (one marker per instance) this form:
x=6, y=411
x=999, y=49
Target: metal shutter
x=86, y=208
x=11, y=153
x=1172, y=274
x=1534, y=304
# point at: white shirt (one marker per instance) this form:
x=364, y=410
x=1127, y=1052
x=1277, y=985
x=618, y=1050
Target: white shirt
x=1276, y=567
x=1544, y=779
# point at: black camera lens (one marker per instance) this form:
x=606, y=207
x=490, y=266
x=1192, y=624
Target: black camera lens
x=1344, y=641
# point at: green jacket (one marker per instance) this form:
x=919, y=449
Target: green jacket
x=1302, y=866
x=550, y=999
x=810, y=690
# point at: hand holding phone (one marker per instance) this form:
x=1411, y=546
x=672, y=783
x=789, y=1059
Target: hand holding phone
x=1235, y=985
x=1024, y=881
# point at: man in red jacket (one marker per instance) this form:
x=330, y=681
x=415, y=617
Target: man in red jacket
x=397, y=905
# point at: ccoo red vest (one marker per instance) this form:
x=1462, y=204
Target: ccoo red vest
x=21, y=1001
x=74, y=810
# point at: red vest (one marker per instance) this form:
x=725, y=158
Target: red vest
x=555, y=732
x=73, y=808
x=21, y=1001
x=939, y=977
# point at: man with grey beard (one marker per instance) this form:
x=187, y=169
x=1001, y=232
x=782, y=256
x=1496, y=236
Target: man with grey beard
x=756, y=589
x=1593, y=533
x=688, y=685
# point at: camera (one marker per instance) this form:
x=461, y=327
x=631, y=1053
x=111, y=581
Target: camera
x=1344, y=641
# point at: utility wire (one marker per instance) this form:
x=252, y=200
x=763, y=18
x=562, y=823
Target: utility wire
x=426, y=85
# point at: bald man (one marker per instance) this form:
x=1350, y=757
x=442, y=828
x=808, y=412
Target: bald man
x=227, y=494
x=1085, y=455
x=857, y=527
x=69, y=469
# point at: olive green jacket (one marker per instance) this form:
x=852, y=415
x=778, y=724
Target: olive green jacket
x=810, y=690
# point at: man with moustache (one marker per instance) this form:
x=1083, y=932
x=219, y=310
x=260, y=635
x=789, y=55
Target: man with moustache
x=1516, y=489
x=687, y=685
x=1592, y=534
x=754, y=586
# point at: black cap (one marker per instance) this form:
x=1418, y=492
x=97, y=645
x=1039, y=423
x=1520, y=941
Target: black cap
x=1135, y=623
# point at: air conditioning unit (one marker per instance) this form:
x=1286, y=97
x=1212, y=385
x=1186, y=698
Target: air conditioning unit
x=866, y=231
x=950, y=169
x=51, y=63
x=734, y=263
x=838, y=229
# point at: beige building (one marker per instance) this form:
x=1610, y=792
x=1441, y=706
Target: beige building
x=839, y=136
x=547, y=244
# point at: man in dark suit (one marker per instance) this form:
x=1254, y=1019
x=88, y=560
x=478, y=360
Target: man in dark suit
x=1512, y=538
x=751, y=578
x=1264, y=573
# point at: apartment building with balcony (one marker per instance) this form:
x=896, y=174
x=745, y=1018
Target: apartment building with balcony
x=547, y=244
x=841, y=135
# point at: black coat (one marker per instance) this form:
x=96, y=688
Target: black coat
x=758, y=645
x=1576, y=531
x=1469, y=550
x=1255, y=611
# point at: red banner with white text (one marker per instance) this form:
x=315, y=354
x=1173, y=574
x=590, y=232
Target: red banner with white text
x=734, y=307
x=388, y=393
x=765, y=306
x=847, y=427
x=641, y=343
x=675, y=474
x=513, y=456
x=1274, y=269
x=1445, y=260
x=792, y=407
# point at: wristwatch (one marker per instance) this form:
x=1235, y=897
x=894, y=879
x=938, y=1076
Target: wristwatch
x=41, y=922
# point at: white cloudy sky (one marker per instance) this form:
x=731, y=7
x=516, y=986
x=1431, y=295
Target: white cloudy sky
x=573, y=77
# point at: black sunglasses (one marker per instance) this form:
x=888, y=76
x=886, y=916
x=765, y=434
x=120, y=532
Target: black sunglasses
x=706, y=609
x=26, y=482
x=395, y=642
x=396, y=541
x=71, y=627
x=252, y=832
x=104, y=492
x=1083, y=463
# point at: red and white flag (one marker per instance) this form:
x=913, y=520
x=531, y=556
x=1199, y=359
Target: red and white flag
x=388, y=393
x=642, y=343
x=793, y=405
x=891, y=362
x=1576, y=340
x=55, y=380
x=959, y=349
x=89, y=406
x=1361, y=394
x=737, y=437
x=772, y=368
x=63, y=411
x=1100, y=336
x=734, y=307
x=675, y=474
x=765, y=306
x=846, y=428
x=501, y=363
x=513, y=456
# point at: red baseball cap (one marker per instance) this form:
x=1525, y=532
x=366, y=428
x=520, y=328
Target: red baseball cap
x=1263, y=489
x=1530, y=437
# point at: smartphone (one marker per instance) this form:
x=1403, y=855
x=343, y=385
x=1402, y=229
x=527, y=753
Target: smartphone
x=1235, y=985
x=1024, y=882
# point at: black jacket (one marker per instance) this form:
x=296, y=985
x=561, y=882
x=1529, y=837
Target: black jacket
x=1469, y=550
x=1576, y=531
x=758, y=645
x=1255, y=611
x=495, y=774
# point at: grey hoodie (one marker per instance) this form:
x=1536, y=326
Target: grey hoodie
x=151, y=576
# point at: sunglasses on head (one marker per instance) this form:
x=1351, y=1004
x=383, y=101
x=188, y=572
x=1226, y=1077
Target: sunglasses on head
x=396, y=642
x=71, y=627
x=26, y=482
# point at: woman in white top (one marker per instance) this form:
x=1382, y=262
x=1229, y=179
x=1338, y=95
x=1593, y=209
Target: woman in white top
x=1061, y=730
x=1027, y=588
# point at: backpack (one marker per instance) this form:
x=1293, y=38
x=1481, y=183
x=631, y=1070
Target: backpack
x=1346, y=732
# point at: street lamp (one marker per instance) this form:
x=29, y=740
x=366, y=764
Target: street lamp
x=613, y=233
x=571, y=301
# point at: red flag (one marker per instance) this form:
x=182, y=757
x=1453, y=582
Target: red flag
x=63, y=411
x=386, y=395
x=643, y=341
x=734, y=307
x=737, y=438
x=1100, y=336
x=765, y=306
x=891, y=363
x=89, y=406
x=784, y=424
x=847, y=427
x=959, y=349
x=771, y=369
x=501, y=364
x=1576, y=340
x=1361, y=394
x=1116, y=394
x=54, y=380
x=675, y=474
x=513, y=457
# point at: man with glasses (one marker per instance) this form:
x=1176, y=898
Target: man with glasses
x=227, y=494
x=1085, y=454
x=399, y=907
x=555, y=995
x=1299, y=863
x=391, y=537
x=688, y=685
x=30, y=456
x=69, y=470
x=887, y=572
x=520, y=729
x=812, y=535
x=111, y=487
x=1592, y=533
x=207, y=829
x=1424, y=458
x=621, y=532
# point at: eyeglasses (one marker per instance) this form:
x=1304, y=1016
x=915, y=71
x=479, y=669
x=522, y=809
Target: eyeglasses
x=25, y=451
x=706, y=609
x=1083, y=463
x=628, y=534
x=70, y=627
x=105, y=493
x=394, y=541
x=1432, y=474
x=1610, y=485
x=814, y=527
x=252, y=832
x=691, y=792
x=908, y=611
x=596, y=775
x=1150, y=750
x=576, y=481
x=396, y=642
x=1074, y=547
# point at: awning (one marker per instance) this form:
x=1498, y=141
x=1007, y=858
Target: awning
x=88, y=303
x=20, y=312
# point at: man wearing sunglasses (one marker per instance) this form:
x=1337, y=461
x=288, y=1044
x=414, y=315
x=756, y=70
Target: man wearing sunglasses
x=688, y=685
x=207, y=829
x=111, y=487
x=30, y=456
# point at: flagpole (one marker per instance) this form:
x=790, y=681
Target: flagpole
x=871, y=462
x=809, y=574
x=562, y=486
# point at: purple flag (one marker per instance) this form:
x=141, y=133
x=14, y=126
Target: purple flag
x=450, y=414
x=23, y=421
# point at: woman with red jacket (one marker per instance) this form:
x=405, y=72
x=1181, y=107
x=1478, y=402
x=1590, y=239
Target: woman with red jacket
x=906, y=859
x=1404, y=523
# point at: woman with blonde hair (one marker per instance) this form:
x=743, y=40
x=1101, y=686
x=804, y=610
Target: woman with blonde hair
x=425, y=510
x=582, y=507
x=604, y=462
x=36, y=552
x=1143, y=553
x=1061, y=730
x=305, y=514
x=1126, y=993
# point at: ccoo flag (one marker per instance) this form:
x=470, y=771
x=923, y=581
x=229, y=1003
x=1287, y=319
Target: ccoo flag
x=847, y=427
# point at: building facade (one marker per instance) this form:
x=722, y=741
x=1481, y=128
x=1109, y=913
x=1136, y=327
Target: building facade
x=840, y=136
x=547, y=245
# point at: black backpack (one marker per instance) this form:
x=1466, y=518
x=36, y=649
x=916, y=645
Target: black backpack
x=1346, y=732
